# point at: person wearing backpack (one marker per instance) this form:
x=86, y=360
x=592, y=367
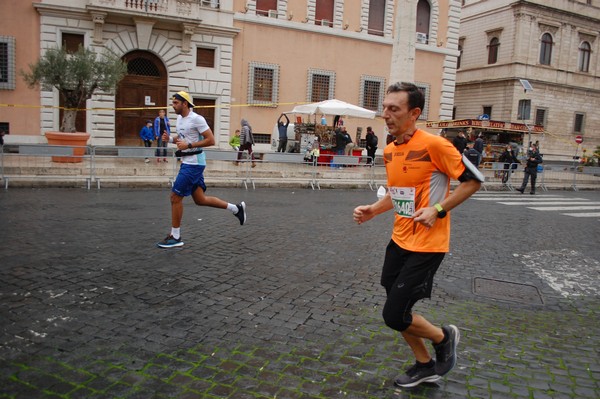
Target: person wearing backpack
x=372, y=142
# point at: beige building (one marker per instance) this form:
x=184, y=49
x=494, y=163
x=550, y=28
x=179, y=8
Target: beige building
x=552, y=44
x=239, y=59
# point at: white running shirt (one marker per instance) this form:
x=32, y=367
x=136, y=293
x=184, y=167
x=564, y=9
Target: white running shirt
x=190, y=129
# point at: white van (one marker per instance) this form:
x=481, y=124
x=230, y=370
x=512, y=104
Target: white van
x=292, y=144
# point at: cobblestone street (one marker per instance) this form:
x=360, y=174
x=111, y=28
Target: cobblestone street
x=286, y=306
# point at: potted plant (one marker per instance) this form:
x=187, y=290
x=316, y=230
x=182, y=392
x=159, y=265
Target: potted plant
x=76, y=76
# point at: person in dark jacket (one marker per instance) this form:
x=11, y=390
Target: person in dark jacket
x=372, y=142
x=246, y=141
x=460, y=142
x=510, y=162
x=282, y=128
x=533, y=160
x=473, y=155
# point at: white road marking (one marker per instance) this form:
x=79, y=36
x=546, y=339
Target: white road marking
x=564, y=208
x=583, y=215
x=568, y=272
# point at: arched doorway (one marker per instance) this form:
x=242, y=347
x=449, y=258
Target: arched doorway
x=144, y=84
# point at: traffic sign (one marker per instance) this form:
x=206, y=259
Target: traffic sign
x=579, y=139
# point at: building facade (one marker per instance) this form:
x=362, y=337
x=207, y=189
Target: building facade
x=554, y=46
x=239, y=59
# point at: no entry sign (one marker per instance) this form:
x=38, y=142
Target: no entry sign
x=579, y=139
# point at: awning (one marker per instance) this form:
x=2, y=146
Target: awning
x=486, y=125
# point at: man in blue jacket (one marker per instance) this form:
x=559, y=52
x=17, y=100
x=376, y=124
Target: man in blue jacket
x=161, y=126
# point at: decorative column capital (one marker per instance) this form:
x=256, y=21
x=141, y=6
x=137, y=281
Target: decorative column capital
x=98, y=19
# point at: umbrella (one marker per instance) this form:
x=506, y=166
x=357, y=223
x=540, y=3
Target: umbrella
x=333, y=107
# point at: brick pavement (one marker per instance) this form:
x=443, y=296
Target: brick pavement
x=287, y=306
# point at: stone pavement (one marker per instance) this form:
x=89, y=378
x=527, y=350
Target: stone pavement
x=287, y=306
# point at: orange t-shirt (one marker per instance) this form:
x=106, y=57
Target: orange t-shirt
x=419, y=174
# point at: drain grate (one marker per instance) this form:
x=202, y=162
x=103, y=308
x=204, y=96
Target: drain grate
x=507, y=290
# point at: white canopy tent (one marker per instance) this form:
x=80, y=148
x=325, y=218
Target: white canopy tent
x=333, y=107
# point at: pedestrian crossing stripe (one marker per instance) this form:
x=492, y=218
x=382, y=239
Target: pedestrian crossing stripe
x=545, y=202
x=583, y=215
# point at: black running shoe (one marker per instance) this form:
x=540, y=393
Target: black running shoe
x=445, y=353
x=170, y=242
x=241, y=214
x=416, y=375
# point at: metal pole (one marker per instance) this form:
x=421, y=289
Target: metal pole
x=574, y=185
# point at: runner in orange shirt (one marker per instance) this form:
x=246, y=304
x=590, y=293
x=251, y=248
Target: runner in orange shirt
x=419, y=166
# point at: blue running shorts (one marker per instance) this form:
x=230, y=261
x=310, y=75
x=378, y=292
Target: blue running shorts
x=189, y=178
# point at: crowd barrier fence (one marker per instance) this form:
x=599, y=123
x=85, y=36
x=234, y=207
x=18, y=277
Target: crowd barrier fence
x=123, y=166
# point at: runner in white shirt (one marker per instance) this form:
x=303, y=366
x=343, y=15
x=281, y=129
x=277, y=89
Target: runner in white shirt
x=193, y=133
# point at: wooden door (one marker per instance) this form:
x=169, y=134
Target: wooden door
x=146, y=78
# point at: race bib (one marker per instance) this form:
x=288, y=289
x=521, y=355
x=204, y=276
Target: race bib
x=403, y=199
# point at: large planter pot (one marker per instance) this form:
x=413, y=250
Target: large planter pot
x=78, y=140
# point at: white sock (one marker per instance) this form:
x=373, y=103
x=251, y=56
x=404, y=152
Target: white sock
x=176, y=232
x=232, y=208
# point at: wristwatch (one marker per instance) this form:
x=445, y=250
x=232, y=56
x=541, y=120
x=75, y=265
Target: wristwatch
x=190, y=146
x=441, y=212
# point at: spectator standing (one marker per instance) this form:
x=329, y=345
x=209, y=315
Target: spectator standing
x=460, y=142
x=349, y=144
x=234, y=141
x=246, y=141
x=372, y=142
x=473, y=155
x=282, y=128
x=479, y=144
x=147, y=136
x=161, y=126
x=419, y=194
x=533, y=160
x=193, y=134
x=510, y=162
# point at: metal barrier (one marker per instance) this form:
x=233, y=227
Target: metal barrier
x=347, y=169
x=48, y=162
x=296, y=168
x=124, y=165
x=224, y=165
x=499, y=174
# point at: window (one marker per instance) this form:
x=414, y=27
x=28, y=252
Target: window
x=487, y=110
x=541, y=115
x=524, y=109
x=459, y=58
x=72, y=41
x=546, y=49
x=263, y=84
x=264, y=6
x=493, y=50
x=423, y=18
x=320, y=85
x=205, y=57
x=210, y=3
x=324, y=13
x=453, y=113
x=7, y=63
x=376, y=17
x=425, y=89
x=585, y=51
x=579, y=123
x=5, y=127
x=373, y=90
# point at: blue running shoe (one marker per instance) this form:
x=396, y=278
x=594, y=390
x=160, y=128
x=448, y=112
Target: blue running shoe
x=170, y=242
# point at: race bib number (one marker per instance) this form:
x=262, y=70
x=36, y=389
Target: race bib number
x=403, y=199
